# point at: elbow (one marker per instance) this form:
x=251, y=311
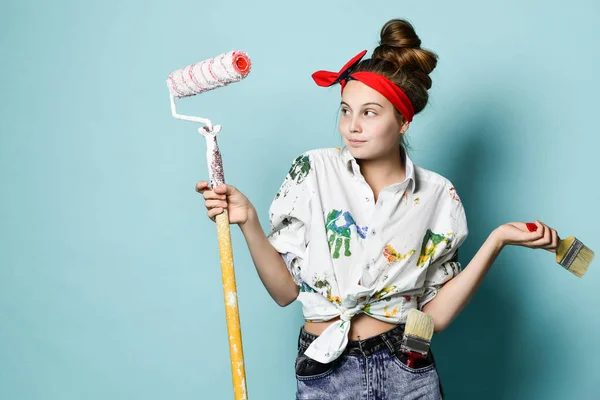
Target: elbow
x=439, y=326
x=439, y=322
x=284, y=301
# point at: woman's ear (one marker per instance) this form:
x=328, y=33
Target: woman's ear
x=404, y=127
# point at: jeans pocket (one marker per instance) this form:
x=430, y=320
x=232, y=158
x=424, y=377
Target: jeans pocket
x=309, y=369
x=420, y=365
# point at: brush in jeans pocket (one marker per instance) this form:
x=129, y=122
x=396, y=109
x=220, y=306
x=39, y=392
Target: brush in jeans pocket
x=417, y=336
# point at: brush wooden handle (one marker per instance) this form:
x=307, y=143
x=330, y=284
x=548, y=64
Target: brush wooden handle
x=411, y=357
x=563, y=246
x=571, y=253
x=231, y=307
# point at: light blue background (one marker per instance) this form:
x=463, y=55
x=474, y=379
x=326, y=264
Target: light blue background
x=109, y=272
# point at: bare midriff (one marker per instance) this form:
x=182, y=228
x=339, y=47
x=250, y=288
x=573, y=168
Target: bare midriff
x=363, y=326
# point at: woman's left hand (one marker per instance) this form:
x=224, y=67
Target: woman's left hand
x=517, y=233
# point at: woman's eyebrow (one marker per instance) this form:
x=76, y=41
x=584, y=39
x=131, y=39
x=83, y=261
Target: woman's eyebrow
x=366, y=104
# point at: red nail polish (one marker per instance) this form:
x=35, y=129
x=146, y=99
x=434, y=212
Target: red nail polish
x=531, y=226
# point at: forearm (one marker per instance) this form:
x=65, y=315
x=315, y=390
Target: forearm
x=268, y=262
x=453, y=296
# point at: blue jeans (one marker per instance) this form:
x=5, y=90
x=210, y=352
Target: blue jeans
x=368, y=369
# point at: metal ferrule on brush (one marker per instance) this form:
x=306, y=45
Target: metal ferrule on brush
x=571, y=254
x=414, y=344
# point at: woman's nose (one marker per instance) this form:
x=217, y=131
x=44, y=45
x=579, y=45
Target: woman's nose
x=355, y=125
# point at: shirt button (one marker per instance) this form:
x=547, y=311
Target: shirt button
x=373, y=232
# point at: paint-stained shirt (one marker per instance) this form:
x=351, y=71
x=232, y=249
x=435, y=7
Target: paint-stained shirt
x=350, y=254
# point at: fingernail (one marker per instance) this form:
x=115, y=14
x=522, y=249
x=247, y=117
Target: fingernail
x=531, y=226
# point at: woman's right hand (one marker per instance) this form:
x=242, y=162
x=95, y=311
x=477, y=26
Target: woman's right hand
x=225, y=196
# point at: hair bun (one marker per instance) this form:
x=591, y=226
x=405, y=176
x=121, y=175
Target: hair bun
x=400, y=45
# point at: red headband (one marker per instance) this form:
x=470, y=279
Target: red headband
x=383, y=85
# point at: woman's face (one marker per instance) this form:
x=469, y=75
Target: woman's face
x=368, y=123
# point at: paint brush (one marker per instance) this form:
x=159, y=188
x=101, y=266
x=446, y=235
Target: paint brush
x=571, y=253
x=417, y=336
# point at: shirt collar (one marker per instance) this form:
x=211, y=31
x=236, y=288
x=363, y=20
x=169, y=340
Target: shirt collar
x=353, y=168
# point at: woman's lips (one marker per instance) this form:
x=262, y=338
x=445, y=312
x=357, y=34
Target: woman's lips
x=356, y=141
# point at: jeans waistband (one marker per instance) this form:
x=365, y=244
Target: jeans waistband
x=390, y=339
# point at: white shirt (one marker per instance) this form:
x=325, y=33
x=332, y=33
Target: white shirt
x=350, y=254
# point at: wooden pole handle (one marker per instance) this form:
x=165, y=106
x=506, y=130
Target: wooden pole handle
x=231, y=307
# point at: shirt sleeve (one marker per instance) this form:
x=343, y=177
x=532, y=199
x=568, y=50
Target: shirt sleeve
x=446, y=266
x=289, y=216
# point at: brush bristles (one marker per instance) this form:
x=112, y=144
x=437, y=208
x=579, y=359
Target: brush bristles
x=573, y=255
x=582, y=261
x=419, y=324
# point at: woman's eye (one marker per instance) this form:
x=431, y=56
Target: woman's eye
x=366, y=112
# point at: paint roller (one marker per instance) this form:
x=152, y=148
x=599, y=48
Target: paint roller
x=194, y=79
x=207, y=75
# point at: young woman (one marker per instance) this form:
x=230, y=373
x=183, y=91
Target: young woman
x=360, y=235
